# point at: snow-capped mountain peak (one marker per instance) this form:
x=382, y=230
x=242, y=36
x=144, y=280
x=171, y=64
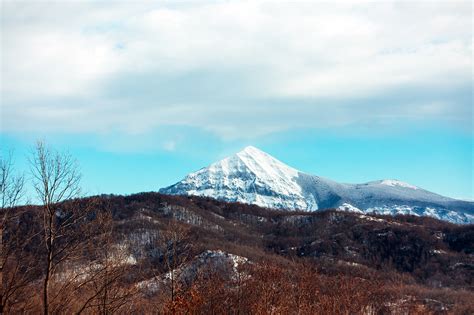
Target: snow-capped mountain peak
x=255, y=177
x=267, y=168
x=249, y=176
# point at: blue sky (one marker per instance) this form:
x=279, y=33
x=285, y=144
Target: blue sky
x=144, y=93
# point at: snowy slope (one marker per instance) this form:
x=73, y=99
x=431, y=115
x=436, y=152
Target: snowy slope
x=254, y=177
x=250, y=176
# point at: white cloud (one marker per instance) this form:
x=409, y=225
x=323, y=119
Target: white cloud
x=235, y=68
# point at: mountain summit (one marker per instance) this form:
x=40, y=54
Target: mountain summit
x=254, y=177
x=249, y=176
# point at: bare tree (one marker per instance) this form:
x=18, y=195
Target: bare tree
x=103, y=287
x=11, y=185
x=175, y=246
x=13, y=272
x=56, y=178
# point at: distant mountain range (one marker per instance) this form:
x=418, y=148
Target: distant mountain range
x=252, y=176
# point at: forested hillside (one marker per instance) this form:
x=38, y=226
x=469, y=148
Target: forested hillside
x=156, y=253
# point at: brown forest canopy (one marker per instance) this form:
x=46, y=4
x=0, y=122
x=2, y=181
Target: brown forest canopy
x=313, y=261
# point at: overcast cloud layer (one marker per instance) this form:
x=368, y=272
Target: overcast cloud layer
x=236, y=69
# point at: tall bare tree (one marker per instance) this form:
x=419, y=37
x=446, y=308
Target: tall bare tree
x=56, y=178
x=11, y=192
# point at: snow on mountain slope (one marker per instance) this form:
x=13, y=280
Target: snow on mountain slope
x=250, y=176
x=394, y=183
x=254, y=177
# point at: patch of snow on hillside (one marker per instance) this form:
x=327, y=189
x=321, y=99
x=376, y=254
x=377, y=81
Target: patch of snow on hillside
x=349, y=207
x=370, y=218
x=216, y=260
x=395, y=183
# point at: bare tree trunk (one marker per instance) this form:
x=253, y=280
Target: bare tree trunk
x=49, y=260
x=2, y=263
x=45, y=288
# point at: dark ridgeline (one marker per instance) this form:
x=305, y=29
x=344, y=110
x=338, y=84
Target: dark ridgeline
x=119, y=259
